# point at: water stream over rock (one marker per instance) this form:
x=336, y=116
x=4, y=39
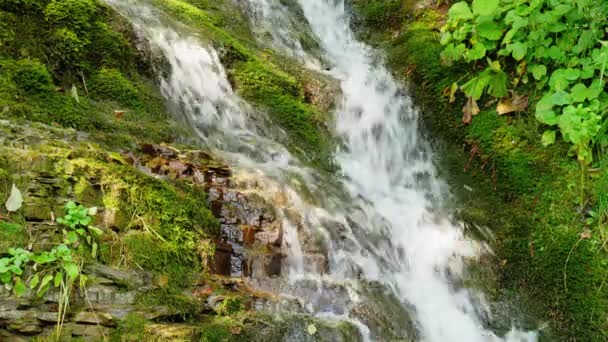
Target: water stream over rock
x=373, y=247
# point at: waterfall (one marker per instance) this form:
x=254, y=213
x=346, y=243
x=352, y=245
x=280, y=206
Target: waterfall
x=381, y=220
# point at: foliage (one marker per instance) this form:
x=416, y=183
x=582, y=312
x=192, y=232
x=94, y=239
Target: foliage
x=11, y=234
x=57, y=265
x=32, y=77
x=78, y=218
x=110, y=84
x=230, y=306
x=552, y=45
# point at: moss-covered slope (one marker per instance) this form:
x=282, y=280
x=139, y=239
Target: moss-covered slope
x=547, y=210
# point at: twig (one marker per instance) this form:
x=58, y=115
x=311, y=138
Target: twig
x=567, y=259
x=86, y=296
x=84, y=82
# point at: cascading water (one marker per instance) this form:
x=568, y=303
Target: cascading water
x=381, y=224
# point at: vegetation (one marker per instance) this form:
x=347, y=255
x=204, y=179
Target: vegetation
x=549, y=242
x=73, y=63
x=255, y=77
x=552, y=46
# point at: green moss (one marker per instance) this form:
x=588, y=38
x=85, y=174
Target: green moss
x=173, y=298
x=132, y=328
x=543, y=195
x=256, y=79
x=11, y=235
x=31, y=76
x=230, y=306
x=380, y=14
x=110, y=84
x=283, y=98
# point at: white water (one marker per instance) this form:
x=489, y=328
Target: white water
x=392, y=232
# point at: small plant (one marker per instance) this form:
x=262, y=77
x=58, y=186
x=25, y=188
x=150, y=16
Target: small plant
x=77, y=219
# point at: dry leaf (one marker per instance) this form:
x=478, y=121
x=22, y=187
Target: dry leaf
x=451, y=92
x=235, y=330
x=14, y=201
x=469, y=110
x=515, y=103
x=118, y=114
x=586, y=234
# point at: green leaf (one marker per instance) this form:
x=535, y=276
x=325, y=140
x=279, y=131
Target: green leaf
x=96, y=231
x=519, y=50
x=572, y=74
x=544, y=110
x=58, y=278
x=43, y=289
x=460, y=11
x=579, y=92
x=71, y=269
x=478, y=51
x=72, y=237
x=497, y=85
x=548, y=138
x=489, y=30
x=561, y=98
x=485, y=7
x=560, y=79
x=475, y=87
x=19, y=288
x=595, y=89
x=45, y=281
x=94, y=249
x=538, y=71
x=6, y=277
x=34, y=281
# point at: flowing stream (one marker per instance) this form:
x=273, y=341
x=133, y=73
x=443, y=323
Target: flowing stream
x=388, y=241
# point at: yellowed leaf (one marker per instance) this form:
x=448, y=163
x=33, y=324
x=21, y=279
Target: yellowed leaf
x=469, y=110
x=515, y=103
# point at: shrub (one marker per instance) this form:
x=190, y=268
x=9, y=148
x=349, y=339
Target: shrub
x=74, y=14
x=32, y=77
x=110, y=84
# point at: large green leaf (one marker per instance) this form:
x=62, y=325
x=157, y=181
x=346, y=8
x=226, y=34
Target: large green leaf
x=460, y=11
x=475, y=87
x=489, y=30
x=478, y=51
x=519, y=50
x=497, y=85
x=561, y=98
x=485, y=7
x=71, y=270
x=544, y=110
x=579, y=92
x=538, y=71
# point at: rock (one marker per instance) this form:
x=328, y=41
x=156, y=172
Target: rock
x=87, y=331
x=126, y=277
x=97, y=317
x=248, y=235
x=103, y=294
x=214, y=301
x=222, y=258
x=25, y=326
x=173, y=332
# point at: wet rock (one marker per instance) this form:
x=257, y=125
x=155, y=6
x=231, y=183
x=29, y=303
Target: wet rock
x=171, y=332
x=97, y=317
x=248, y=233
x=87, y=331
x=101, y=294
x=223, y=258
x=126, y=277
